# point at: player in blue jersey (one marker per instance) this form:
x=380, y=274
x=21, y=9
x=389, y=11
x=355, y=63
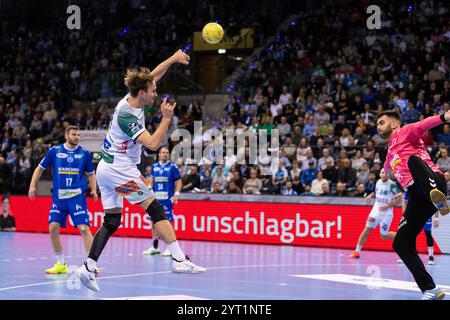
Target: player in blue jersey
x=69, y=163
x=165, y=180
x=427, y=229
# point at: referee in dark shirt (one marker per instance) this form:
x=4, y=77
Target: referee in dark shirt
x=7, y=222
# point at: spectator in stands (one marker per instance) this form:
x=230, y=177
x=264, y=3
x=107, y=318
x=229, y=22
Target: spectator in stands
x=358, y=160
x=321, y=117
x=318, y=183
x=297, y=185
x=347, y=174
x=206, y=182
x=280, y=176
x=192, y=180
x=345, y=137
x=232, y=188
x=309, y=158
x=360, y=191
x=308, y=129
x=370, y=185
x=302, y=150
x=360, y=137
x=444, y=161
x=340, y=190
x=288, y=190
x=307, y=191
x=7, y=221
x=330, y=173
x=220, y=178
x=308, y=175
x=369, y=150
x=295, y=170
x=285, y=96
x=331, y=138
x=297, y=135
x=216, y=187
x=326, y=191
x=445, y=136
x=237, y=179
x=363, y=174
x=322, y=164
x=284, y=127
x=253, y=185
x=289, y=148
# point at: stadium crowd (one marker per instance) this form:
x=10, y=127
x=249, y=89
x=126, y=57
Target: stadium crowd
x=321, y=83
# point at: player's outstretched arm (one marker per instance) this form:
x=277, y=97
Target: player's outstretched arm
x=153, y=141
x=177, y=57
x=34, y=180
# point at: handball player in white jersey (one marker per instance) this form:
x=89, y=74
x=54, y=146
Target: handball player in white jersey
x=387, y=195
x=117, y=173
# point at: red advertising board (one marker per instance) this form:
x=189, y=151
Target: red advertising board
x=335, y=226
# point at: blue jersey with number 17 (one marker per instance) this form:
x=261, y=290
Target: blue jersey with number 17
x=164, y=177
x=68, y=169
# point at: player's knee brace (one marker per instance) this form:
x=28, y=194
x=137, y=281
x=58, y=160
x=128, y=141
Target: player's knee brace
x=112, y=221
x=156, y=211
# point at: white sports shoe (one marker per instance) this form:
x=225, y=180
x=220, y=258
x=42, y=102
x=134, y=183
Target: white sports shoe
x=400, y=261
x=166, y=253
x=87, y=278
x=435, y=294
x=150, y=251
x=186, y=266
x=430, y=260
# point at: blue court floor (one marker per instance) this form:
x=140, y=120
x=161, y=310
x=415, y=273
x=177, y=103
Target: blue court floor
x=235, y=272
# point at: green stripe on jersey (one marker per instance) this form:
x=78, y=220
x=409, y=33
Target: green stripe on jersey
x=129, y=123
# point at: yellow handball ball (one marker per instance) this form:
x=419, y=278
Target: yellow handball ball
x=212, y=33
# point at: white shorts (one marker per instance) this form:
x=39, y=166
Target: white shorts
x=116, y=183
x=382, y=218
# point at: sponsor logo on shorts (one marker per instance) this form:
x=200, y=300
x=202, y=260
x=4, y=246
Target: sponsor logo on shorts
x=403, y=221
x=371, y=219
x=127, y=188
x=68, y=193
x=61, y=155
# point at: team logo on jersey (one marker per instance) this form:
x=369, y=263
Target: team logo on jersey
x=69, y=159
x=61, y=155
x=134, y=126
x=395, y=161
x=127, y=188
x=106, y=144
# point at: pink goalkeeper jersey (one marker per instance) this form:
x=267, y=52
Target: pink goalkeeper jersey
x=405, y=142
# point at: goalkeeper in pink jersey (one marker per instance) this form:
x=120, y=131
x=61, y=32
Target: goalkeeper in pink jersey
x=409, y=161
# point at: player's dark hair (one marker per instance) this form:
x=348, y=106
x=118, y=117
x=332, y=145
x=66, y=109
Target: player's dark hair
x=390, y=114
x=137, y=79
x=163, y=147
x=70, y=128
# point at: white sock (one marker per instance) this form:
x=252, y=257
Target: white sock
x=60, y=258
x=430, y=251
x=358, y=247
x=176, y=251
x=91, y=264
